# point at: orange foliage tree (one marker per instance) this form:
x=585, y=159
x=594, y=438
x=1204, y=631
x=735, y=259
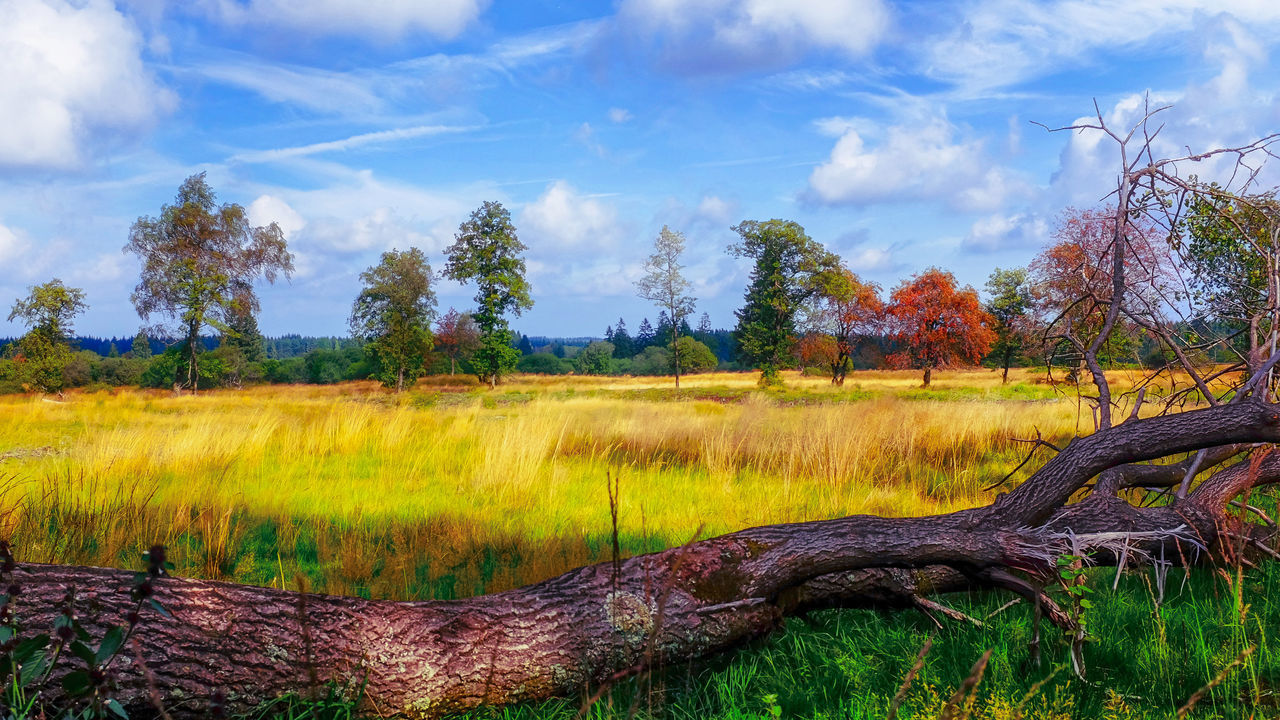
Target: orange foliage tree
x=845, y=310
x=937, y=323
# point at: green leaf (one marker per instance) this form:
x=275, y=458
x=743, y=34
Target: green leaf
x=1085, y=603
x=82, y=651
x=118, y=709
x=77, y=683
x=33, y=670
x=28, y=648
x=110, y=645
x=160, y=608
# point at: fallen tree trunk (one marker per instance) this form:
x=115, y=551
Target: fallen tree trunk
x=557, y=637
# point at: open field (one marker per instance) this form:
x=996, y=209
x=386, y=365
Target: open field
x=450, y=490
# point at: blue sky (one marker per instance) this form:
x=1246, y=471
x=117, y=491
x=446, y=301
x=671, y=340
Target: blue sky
x=898, y=133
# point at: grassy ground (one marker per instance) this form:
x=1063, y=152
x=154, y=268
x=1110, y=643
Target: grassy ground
x=451, y=490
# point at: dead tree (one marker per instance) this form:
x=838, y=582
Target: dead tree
x=243, y=645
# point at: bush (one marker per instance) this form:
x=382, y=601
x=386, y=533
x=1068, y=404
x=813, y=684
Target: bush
x=290, y=371
x=163, y=370
x=595, y=359
x=653, y=360
x=542, y=364
x=695, y=357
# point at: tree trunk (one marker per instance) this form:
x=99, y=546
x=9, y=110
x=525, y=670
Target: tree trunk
x=557, y=637
x=928, y=376
x=675, y=351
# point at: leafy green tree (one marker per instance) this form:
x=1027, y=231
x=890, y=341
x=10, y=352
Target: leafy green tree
x=199, y=263
x=1010, y=305
x=487, y=252
x=664, y=284
x=42, y=354
x=141, y=347
x=1231, y=245
x=393, y=314
x=595, y=359
x=788, y=269
x=696, y=356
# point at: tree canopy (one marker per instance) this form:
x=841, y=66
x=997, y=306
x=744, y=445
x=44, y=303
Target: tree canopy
x=1010, y=307
x=393, y=314
x=787, y=266
x=43, y=352
x=199, y=263
x=487, y=252
x=664, y=284
x=844, y=309
x=937, y=323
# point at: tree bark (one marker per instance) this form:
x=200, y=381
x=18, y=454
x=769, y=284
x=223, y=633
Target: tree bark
x=594, y=624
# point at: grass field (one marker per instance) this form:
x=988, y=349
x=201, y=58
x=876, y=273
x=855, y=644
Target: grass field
x=451, y=490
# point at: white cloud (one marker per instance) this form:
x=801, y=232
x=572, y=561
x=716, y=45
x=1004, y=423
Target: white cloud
x=12, y=246
x=619, y=115
x=868, y=260
x=1228, y=110
x=563, y=219
x=267, y=209
x=717, y=35
x=347, y=143
x=71, y=71
x=997, y=43
x=1001, y=232
x=715, y=210
x=920, y=159
x=311, y=88
x=379, y=19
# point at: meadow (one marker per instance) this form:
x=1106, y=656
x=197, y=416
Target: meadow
x=451, y=490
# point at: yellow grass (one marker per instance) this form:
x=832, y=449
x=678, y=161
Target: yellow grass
x=373, y=493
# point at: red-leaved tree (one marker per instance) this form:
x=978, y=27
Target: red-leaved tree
x=1074, y=278
x=938, y=324
x=457, y=336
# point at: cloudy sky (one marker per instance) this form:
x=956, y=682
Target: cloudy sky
x=898, y=133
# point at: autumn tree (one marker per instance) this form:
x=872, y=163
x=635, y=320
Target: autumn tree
x=1010, y=307
x=787, y=270
x=393, y=314
x=199, y=263
x=663, y=283
x=937, y=323
x=844, y=310
x=487, y=252
x=1073, y=283
x=457, y=337
x=44, y=351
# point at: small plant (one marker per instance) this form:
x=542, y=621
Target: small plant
x=27, y=664
x=771, y=706
x=1072, y=580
